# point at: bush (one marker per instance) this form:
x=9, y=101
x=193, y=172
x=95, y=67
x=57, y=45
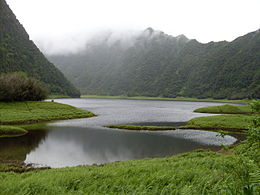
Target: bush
x=254, y=131
x=255, y=105
x=19, y=87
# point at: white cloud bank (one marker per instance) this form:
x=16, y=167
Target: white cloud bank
x=68, y=23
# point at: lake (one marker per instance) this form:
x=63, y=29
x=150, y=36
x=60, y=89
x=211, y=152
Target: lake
x=86, y=141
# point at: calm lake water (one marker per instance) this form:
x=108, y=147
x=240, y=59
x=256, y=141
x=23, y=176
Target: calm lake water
x=86, y=141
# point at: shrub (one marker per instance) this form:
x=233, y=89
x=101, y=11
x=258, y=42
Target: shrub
x=254, y=131
x=19, y=87
x=255, y=105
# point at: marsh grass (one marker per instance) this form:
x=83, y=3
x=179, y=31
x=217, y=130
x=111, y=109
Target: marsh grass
x=14, y=113
x=231, y=123
x=195, y=173
x=224, y=122
x=226, y=109
x=30, y=112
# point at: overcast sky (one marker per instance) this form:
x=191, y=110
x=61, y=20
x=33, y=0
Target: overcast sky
x=60, y=24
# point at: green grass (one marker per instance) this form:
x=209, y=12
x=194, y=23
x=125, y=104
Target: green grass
x=244, y=101
x=191, y=173
x=234, y=122
x=221, y=122
x=11, y=131
x=226, y=109
x=31, y=112
x=239, y=119
x=140, y=127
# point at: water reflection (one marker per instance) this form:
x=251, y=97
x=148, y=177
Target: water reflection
x=17, y=148
x=72, y=146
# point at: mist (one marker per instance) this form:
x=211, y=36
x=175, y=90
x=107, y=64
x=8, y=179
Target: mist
x=65, y=26
x=71, y=44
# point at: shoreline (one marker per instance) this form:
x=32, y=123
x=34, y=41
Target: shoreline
x=42, y=120
x=243, y=101
x=170, y=128
x=34, y=112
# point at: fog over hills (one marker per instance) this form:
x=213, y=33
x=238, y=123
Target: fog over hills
x=152, y=63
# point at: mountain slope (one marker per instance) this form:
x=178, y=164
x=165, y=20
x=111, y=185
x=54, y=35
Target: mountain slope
x=157, y=64
x=19, y=54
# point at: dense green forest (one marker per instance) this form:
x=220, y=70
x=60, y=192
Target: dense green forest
x=156, y=64
x=19, y=54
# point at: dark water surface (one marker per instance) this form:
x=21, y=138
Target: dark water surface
x=86, y=141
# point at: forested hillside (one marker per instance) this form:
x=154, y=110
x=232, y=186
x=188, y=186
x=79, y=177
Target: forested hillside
x=19, y=54
x=157, y=64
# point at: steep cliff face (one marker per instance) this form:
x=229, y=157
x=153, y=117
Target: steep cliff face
x=19, y=54
x=157, y=64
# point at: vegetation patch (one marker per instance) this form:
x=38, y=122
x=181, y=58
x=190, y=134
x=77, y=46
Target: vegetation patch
x=15, y=113
x=11, y=131
x=221, y=122
x=19, y=87
x=140, y=127
x=226, y=109
x=237, y=118
x=231, y=123
x=31, y=112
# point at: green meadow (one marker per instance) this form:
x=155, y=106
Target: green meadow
x=13, y=113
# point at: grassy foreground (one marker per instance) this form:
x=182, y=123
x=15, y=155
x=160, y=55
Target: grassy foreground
x=245, y=101
x=195, y=173
x=33, y=112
